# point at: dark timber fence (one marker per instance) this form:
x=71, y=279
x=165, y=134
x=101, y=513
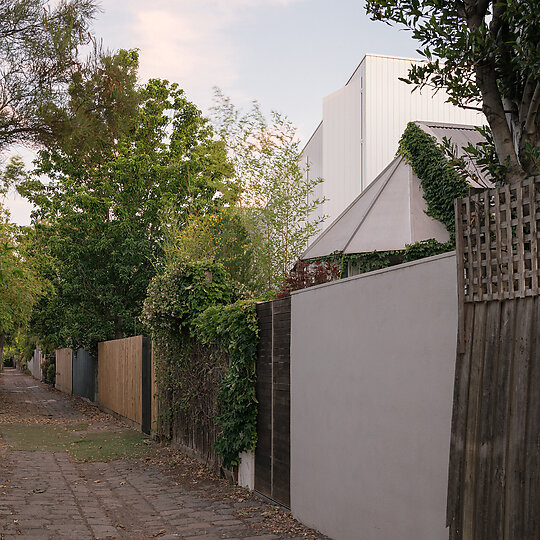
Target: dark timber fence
x=273, y=455
x=494, y=483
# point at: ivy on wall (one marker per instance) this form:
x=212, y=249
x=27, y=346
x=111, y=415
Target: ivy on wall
x=441, y=184
x=440, y=181
x=234, y=331
x=205, y=343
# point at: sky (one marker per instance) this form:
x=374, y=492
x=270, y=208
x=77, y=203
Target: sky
x=286, y=54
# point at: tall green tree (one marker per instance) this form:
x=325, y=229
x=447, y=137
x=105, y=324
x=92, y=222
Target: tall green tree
x=98, y=220
x=39, y=54
x=481, y=51
x=277, y=202
x=20, y=287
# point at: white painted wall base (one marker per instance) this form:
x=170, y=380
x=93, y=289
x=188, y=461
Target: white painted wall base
x=246, y=470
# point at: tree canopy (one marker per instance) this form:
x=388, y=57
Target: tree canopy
x=277, y=201
x=20, y=287
x=39, y=46
x=98, y=222
x=481, y=51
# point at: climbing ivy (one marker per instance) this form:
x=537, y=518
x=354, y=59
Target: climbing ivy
x=440, y=181
x=205, y=344
x=234, y=330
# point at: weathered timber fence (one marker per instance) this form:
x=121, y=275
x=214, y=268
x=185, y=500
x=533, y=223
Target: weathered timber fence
x=494, y=483
x=273, y=454
x=194, y=427
x=124, y=379
x=64, y=370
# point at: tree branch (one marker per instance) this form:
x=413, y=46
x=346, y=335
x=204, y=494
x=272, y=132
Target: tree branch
x=533, y=111
x=486, y=81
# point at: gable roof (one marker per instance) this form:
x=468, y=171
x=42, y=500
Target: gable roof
x=460, y=136
x=391, y=211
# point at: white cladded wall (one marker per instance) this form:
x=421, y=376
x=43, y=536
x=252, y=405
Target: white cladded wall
x=372, y=373
x=363, y=122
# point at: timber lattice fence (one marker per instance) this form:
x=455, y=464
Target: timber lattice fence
x=494, y=483
x=498, y=239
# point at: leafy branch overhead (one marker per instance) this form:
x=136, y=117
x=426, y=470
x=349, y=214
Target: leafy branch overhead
x=485, y=55
x=39, y=46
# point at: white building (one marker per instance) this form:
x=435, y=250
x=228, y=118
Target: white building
x=391, y=212
x=361, y=126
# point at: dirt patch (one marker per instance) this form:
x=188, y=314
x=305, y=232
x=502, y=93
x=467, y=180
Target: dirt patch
x=82, y=445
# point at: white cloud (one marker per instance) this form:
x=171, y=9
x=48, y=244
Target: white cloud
x=186, y=41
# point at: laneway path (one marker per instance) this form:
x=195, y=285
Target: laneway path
x=67, y=470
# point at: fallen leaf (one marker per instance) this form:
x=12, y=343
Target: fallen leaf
x=161, y=532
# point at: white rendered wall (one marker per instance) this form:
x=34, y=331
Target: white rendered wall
x=311, y=162
x=342, y=142
x=372, y=375
x=34, y=365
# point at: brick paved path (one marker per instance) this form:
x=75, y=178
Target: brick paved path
x=47, y=495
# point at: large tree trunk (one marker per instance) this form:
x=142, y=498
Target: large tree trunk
x=496, y=117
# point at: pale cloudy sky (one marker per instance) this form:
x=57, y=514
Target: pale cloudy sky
x=286, y=54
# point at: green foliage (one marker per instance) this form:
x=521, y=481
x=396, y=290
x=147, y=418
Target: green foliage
x=205, y=348
x=360, y=263
x=440, y=182
x=277, y=202
x=481, y=53
x=176, y=296
x=427, y=248
x=180, y=293
x=216, y=237
x=234, y=330
x=98, y=232
x=39, y=45
x=20, y=287
x=48, y=370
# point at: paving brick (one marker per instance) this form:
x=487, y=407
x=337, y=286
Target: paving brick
x=132, y=499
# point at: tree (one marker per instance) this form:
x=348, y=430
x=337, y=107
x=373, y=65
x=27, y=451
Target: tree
x=98, y=223
x=19, y=285
x=215, y=237
x=276, y=202
x=481, y=51
x=39, y=47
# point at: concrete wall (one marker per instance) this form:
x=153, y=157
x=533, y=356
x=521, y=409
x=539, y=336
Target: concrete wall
x=372, y=372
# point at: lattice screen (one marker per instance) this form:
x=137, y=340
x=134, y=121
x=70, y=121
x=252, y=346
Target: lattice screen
x=498, y=242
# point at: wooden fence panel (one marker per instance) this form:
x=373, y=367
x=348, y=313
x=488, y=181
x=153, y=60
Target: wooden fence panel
x=494, y=470
x=64, y=367
x=272, y=455
x=120, y=377
x=263, y=452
